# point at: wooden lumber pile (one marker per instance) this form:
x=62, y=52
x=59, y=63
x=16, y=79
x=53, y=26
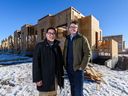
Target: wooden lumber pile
x=91, y=74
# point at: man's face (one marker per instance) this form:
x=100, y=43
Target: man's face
x=50, y=35
x=73, y=28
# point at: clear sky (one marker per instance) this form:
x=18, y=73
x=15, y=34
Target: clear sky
x=112, y=14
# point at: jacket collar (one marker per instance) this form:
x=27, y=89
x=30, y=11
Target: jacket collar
x=78, y=35
x=55, y=43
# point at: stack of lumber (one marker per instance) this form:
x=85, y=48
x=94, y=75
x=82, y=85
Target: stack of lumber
x=92, y=74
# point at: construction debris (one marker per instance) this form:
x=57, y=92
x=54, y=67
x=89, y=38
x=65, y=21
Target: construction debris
x=122, y=63
x=94, y=75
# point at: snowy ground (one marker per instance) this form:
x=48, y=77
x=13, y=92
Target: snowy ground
x=16, y=80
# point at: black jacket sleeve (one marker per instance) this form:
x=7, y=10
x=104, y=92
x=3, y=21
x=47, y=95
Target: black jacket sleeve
x=36, y=68
x=60, y=69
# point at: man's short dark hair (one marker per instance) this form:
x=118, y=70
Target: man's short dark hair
x=51, y=28
x=74, y=22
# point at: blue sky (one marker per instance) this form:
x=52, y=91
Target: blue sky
x=112, y=14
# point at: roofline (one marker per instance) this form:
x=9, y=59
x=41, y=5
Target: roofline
x=44, y=17
x=113, y=36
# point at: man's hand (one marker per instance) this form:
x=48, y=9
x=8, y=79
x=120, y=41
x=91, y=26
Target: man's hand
x=40, y=83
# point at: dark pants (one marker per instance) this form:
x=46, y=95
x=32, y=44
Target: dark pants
x=76, y=81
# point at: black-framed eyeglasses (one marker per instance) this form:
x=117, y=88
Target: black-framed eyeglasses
x=73, y=27
x=49, y=33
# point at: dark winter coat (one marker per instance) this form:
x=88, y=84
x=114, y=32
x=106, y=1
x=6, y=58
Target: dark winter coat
x=81, y=51
x=48, y=64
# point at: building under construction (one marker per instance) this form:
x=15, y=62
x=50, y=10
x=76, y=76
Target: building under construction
x=26, y=38
x=119, y=39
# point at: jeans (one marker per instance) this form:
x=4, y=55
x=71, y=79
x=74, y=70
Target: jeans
x=76, y=81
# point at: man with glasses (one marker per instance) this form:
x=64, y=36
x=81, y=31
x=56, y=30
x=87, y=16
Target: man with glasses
x=48, y=65
x=76, y=56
